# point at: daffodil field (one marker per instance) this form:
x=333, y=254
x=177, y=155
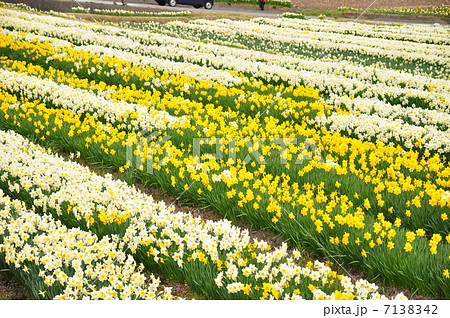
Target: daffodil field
x=332, y=135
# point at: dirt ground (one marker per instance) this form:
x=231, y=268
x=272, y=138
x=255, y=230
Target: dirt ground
x=11, y=289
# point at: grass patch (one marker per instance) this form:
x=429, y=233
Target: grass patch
x=330, y=13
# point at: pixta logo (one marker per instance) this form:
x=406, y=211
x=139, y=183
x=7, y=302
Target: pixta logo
x=143, y=146
x=252, y=150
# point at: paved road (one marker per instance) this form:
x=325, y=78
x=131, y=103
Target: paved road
x=216, y=8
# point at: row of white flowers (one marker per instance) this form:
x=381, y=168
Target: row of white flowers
x=247, y=61
x=428, y=35
x=79, y=101
x=61, y=263
x=121, y=12
x=30, y=37
x=53, y=183
x=414, y=115
x=404, y=32
x=388, y=130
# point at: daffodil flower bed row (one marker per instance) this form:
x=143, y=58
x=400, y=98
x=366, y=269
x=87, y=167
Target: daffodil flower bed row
x=369, y=74
x=432, y=94
x=197, y=250
x=292, y=15
x=368, y=119
x=438, y=119
x=30, y=37
x=137, y=96
x=128, y=13
x=388, y=130
x=419, y=34
x=56, y=262
x=237, y=39
x=353, y=236
x=87, y=65
x=402, y=32
x=21, y=6
x=272, y=67
x=439, y=140
x=251, y=62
